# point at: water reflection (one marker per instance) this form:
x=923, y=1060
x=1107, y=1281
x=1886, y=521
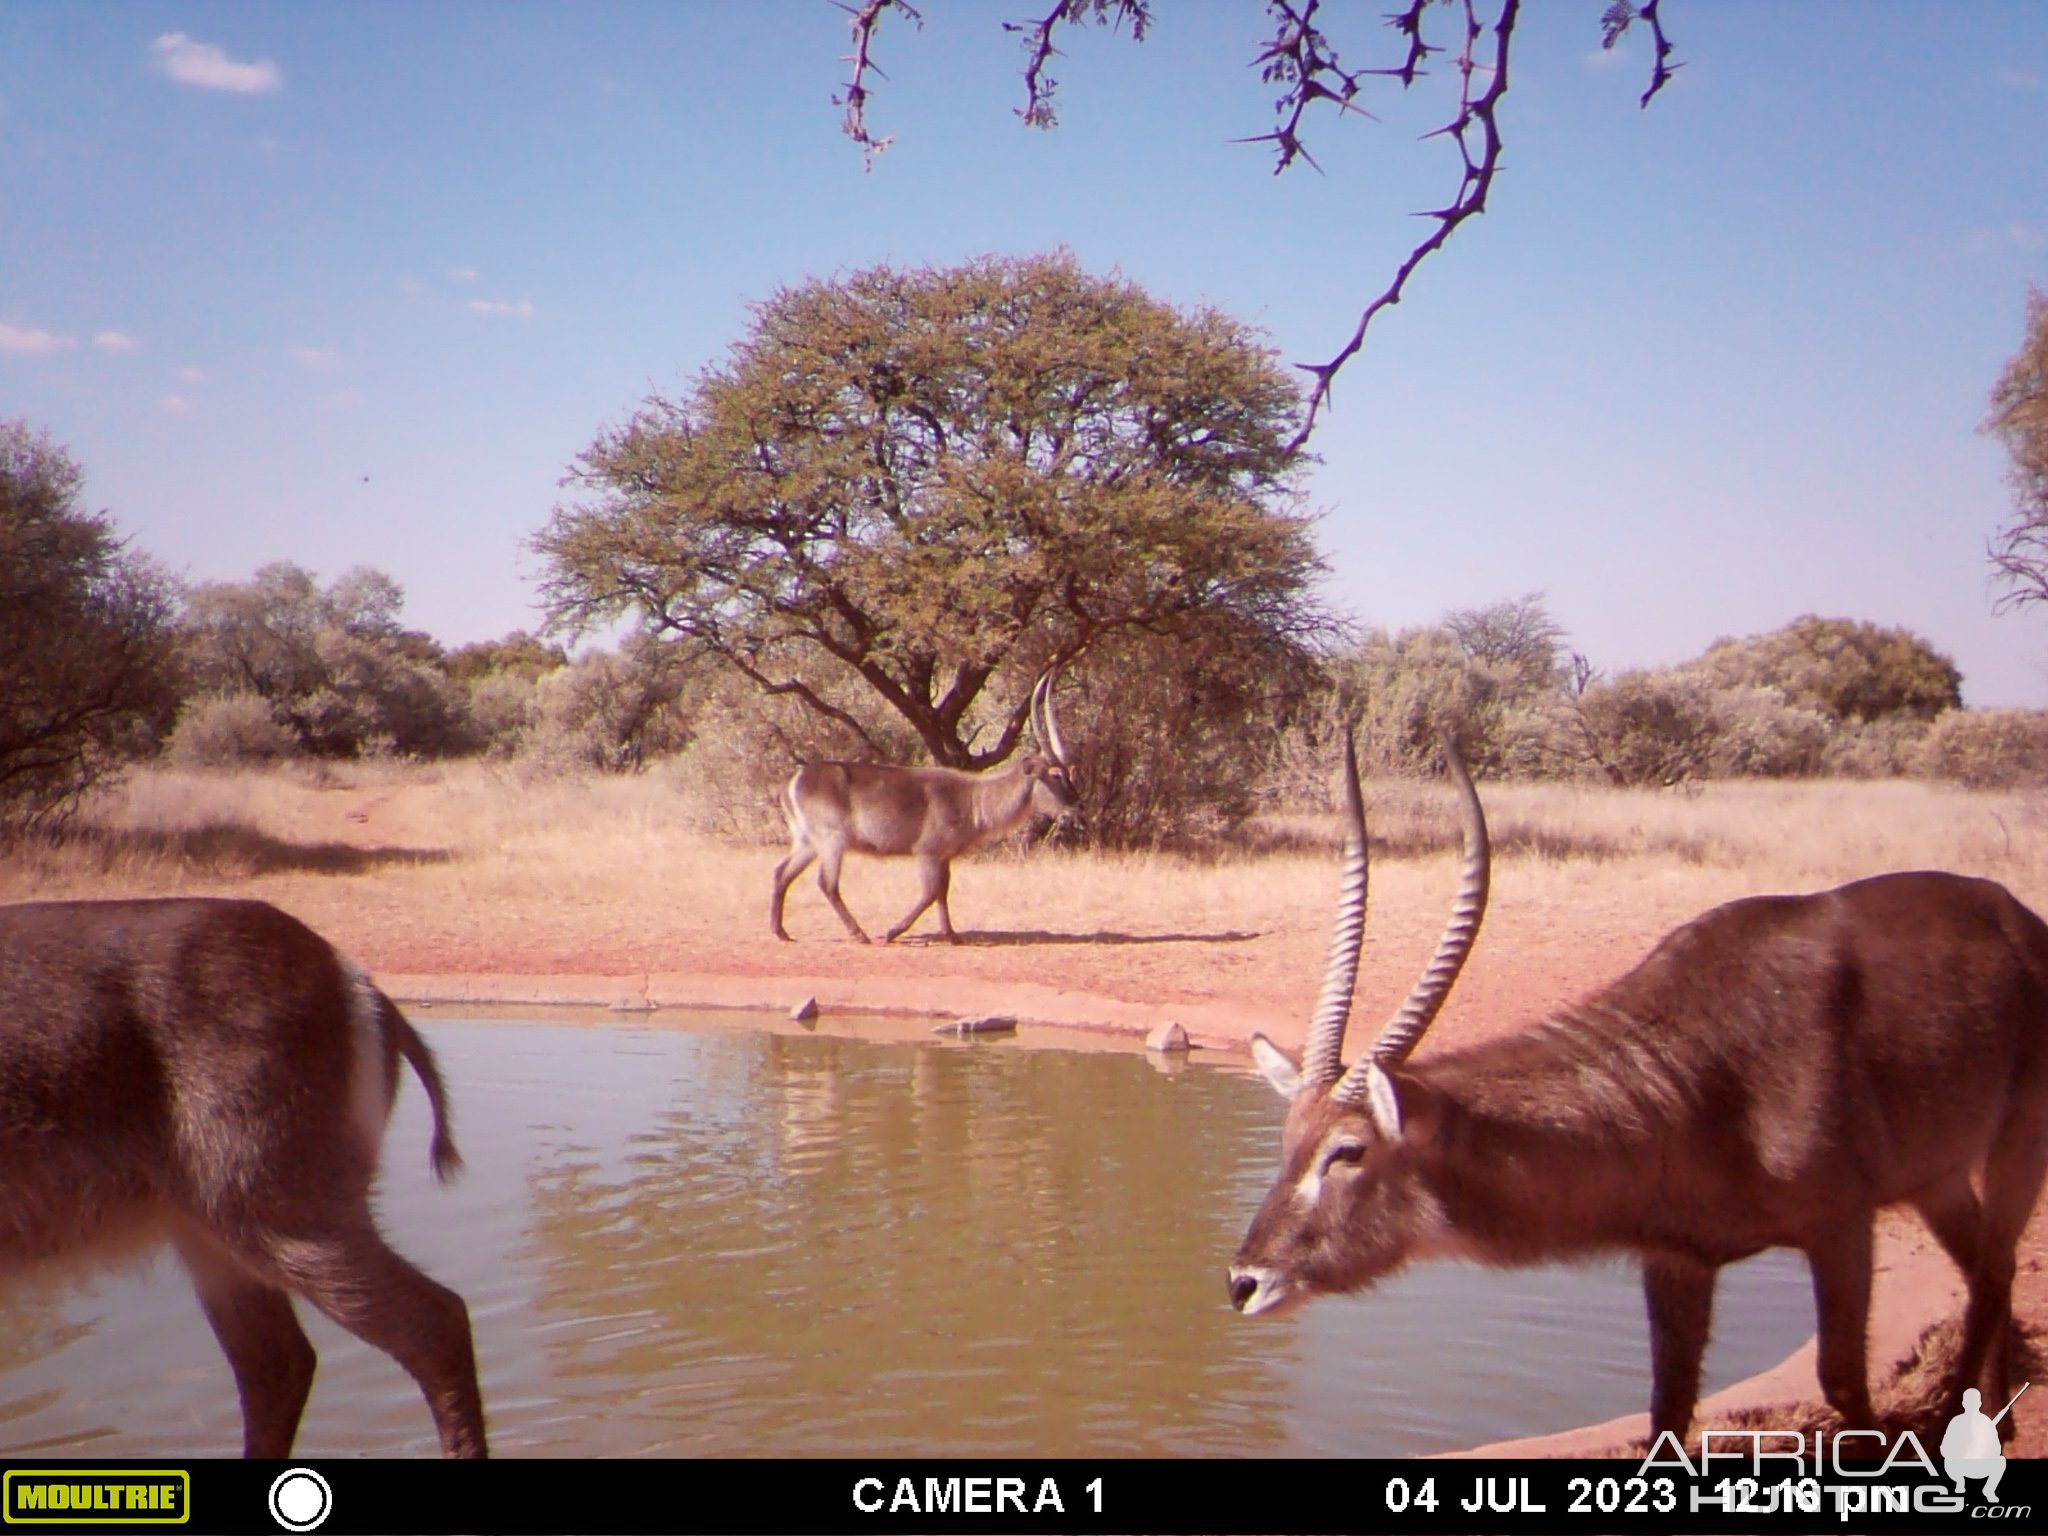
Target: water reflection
x=729, y=1242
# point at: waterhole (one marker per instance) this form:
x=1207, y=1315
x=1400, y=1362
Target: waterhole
x=706, y=1240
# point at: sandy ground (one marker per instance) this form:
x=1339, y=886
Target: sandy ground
x=427, y=946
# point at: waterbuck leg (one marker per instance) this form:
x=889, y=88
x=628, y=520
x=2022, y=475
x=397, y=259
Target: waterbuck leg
x=266, y=1348
x=828, y=882
x=1956, y=1220
x=355, y=1278
x=2013, y=1175
x=1680, y=1292
x=1840, y=1260
x=796, y=863
x=937, y=876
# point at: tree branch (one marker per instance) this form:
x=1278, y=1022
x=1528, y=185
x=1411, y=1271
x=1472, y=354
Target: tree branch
x=1476, y=116
x=1300, y=58
x=867, y=16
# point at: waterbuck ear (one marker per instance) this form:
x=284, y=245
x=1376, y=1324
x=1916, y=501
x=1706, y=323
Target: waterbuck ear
x=1381, y=1102
x=1281, y=1070
x=1410, y=1114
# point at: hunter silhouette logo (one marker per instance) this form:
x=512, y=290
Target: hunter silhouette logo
x=1969, y=1446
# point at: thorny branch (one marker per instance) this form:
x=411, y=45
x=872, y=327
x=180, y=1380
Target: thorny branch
x=1300, y=59
x=866, y=17
x=1039, y=87
x=1475, y=120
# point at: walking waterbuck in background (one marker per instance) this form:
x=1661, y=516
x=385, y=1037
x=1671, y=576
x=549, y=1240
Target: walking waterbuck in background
x=213, y=1076
x=933, y=815
x=1773, y=1074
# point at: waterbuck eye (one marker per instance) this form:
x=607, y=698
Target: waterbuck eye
x=1352, y=1152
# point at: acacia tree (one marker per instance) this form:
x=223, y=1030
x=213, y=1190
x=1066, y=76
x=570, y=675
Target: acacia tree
x=2019, y=417
x=1311, y=73
x=905, y=492
x=85, y=654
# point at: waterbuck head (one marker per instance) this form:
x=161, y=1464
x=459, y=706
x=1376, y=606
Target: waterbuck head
x=1347, y=1207
x=1049, y=769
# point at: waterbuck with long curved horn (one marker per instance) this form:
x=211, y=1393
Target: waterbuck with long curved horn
x=1772, y=1075
x=211, y=1075
x=933, y=815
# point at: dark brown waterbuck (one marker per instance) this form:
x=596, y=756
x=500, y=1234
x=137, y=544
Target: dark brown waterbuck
x=1772, y=1075
x=213, y=1076
x=933, y=815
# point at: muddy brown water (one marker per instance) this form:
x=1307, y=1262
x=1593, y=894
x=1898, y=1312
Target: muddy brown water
x=698, y=1239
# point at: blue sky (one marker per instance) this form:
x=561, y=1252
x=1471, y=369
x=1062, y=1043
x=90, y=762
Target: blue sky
x=354, y=284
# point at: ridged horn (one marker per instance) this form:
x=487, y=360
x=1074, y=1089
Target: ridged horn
x=1045, y=715
x=1321, y=1055
x=1406, y=1027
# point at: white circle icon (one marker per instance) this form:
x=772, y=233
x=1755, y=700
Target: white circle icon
x=300, y=1499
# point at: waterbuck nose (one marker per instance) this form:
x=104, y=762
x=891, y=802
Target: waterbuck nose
x=1241, y=1288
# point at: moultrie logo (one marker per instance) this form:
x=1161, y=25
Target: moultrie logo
x=102, y=1497
x=1969, y=1446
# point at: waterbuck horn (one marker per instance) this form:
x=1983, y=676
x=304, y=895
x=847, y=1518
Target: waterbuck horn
x=1045, y=715
x=1321, y=1055
x=1366, y=1079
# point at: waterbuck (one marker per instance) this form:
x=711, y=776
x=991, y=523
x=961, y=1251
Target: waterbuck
x=1773, y=1074
x=213, y=1076
x=930, y=814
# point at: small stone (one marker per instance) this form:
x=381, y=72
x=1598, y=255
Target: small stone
x=1168, y=1037
x=983, y=1024
x=805, y=1011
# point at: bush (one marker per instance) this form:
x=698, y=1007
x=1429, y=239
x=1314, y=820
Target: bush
x=1842, y=668
x=332, y=662
x=86, y=679
x=1757, y=733
x=1874, y=749
x=1988, y=748
x=1174, y=737
x=613, y=711
x=227, y=730
x=503, y=707
x=1649, y=727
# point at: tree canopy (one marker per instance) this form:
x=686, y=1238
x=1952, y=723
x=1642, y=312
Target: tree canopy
x=85, y=657
x=905, y=492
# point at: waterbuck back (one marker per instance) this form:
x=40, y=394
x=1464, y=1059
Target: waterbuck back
x=1773, y=1074
x=213, y=1076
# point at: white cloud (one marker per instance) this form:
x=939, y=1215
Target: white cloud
x=190, y=375
x=27, y=341
x=463, y=274
x=1983, y=239
x=518, y=309
x=177, y=405
x=207, y=66
x=317, y=358
x=2019, y=79
x=114, y=341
